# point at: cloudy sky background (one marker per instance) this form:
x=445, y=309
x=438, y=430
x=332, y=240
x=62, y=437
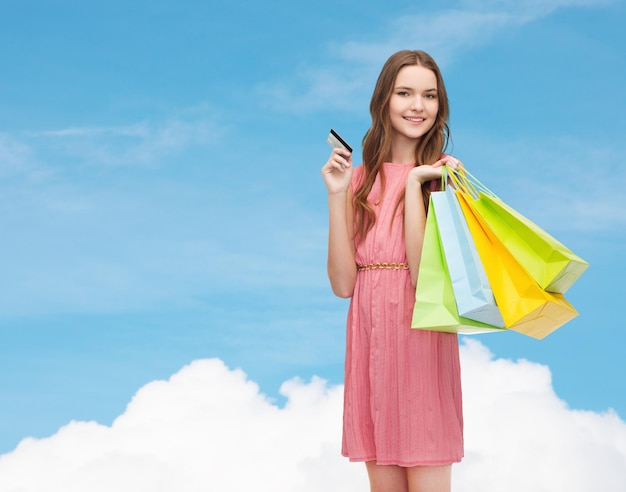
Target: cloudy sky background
x=165, y=318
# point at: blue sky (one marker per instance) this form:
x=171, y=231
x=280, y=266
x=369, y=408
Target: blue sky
x=161, y=201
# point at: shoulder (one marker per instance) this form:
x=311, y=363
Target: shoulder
x=357, y=176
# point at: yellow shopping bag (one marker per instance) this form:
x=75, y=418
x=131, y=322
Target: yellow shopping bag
x=524, y=305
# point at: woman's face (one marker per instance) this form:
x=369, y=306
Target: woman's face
x=414, y=103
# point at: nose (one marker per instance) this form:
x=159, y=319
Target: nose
x=416, y=103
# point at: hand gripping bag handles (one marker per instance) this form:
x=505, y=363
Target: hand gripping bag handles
x=435, y=300
x=550, y=263
x=524, y=305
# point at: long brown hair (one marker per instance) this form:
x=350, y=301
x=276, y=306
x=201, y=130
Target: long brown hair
x=377, y=140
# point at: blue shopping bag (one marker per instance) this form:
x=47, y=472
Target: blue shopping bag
x=435, y=305
x=473, y=294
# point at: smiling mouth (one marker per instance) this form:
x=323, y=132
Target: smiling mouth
x=413, y=119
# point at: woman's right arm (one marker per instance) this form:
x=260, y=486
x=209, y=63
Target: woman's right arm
x=337, y=173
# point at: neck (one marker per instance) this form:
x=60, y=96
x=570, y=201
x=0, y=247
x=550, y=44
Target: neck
x=403, y=151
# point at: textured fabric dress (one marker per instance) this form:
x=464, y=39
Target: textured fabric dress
x=402, y=402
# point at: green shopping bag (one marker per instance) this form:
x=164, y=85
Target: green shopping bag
x=435, y=306
x=549, y=262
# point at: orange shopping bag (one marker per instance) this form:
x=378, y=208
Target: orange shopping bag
x=554, y=266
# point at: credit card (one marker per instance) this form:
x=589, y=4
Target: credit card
x=335, y=141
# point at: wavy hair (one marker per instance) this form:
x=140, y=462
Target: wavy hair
x=377, y=140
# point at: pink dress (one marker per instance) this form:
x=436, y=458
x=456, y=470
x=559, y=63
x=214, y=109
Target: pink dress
x=402, y=402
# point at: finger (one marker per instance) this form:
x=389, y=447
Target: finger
x=345, y=153
x=331, y=166
x=344, y=162
x=453, y=163
x=341, y=151
x=339, y=166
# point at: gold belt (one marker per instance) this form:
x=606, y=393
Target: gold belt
x=386, y=266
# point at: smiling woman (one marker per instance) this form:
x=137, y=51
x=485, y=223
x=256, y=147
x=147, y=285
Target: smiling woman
x=402, y=407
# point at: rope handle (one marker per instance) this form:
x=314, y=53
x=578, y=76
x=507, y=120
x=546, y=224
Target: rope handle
x=464, y=181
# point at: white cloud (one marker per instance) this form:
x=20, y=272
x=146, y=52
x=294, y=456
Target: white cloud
x=145, y=143
x=520, y=436
x=345, y=83
x=443, y=35
x=85, y=248
x=13, y=154
x=17, y=160
x=83, y=239
x=531, y=9
x=210, y=428
x=136, y=130
x=207, y=428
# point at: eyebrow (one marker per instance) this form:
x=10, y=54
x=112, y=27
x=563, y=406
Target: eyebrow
x=401, y=87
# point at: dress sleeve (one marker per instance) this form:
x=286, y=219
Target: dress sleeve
x=357, y=177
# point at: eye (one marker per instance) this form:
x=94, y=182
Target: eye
x=402, y=93
x=430, y=96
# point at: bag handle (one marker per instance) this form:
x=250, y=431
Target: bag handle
x=464, y=181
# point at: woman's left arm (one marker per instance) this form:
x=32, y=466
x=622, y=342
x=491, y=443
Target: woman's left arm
x=415, y=211
x=414, y=222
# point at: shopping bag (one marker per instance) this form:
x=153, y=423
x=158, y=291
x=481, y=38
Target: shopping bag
x=549, y=262
x=524, y=305
x=552, y=264
x=435, y=305
x=473, y=294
